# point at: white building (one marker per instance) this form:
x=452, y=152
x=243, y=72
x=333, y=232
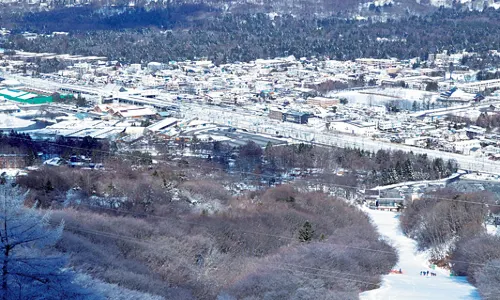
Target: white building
x=354, y=127
x=465, y=147
x=389, y=124
x=479, y=86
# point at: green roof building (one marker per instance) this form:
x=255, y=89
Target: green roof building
x=24, y=97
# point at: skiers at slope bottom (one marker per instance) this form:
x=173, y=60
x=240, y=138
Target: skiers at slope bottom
x=426, y=273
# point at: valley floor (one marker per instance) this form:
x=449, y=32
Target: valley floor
x=410, y=284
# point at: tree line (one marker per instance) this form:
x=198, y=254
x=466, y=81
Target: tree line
x=35, y=150
x=243, y=37
x=487, y=120
x=369, y=168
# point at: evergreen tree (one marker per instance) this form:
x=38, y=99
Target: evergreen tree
x=408, y=170
x=48, y=186
x=306, y=233
x=451, y=167
x=394, y=178
x=415, y=106
x=438, y=166
x=80, y=101
x=399, y=170
x=27, y=271
x=3, y=178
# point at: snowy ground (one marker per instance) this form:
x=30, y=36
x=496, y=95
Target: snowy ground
x=11, y=122
x=111, y=291
x=12, y=172
x=482, y=177
x=410, y=285
x=493, y=230
x=382, y=96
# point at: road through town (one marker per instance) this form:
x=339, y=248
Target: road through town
x=305, y=133
x=260, y=124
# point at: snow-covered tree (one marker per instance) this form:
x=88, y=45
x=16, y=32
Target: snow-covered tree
x=408, y=170
x=28, y=271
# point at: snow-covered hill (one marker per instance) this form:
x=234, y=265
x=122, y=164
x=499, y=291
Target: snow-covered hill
x=410, y=284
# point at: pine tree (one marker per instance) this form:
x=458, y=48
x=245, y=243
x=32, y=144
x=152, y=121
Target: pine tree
x=408, y=170
x=415, y=106
x=306, y=233
x=26, y=273
x=48, y=186
x=394, y=176
x=399, y=170
x=438, y=166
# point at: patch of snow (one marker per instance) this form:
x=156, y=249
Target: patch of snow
x=410, y=284
x=111, y=291
x=56, y=161
x=492, y=229
x=420, y=183
x=11, y=122
x=272, y=15
x=11, y=173
x=356, y=97
x=481, y=177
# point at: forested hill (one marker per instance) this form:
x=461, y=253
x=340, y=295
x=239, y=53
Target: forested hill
x=301, y=8
x=87, y=18
x=242, y=37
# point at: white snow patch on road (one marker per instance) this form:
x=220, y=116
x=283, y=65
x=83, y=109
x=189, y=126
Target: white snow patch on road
x=410, y=285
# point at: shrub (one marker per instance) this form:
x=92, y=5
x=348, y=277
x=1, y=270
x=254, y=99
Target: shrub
x=471, y=253
x=436, y=223
x=284, y=193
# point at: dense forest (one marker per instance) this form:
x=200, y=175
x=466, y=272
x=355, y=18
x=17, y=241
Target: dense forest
x=197, y=33
x=301, y=8
x=181, y=229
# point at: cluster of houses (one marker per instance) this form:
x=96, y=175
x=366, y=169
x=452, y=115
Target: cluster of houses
x=402, y=101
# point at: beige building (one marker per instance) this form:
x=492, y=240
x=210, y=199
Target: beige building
x=322, y=101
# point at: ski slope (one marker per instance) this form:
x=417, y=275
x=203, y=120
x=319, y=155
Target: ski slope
x=410, y=285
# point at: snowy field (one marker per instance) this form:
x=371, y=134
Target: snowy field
x=383, y=96
x=355, y=97
x=482, y=177
x=11, y=122
x=410, y=285
x=13, y=172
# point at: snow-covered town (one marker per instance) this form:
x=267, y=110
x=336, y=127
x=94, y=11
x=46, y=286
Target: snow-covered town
x=432, y=106
x=445, y=115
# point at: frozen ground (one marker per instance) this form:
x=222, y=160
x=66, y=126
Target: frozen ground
x=111, y=291
x=355, y=97
x=482, y=177
x=410, y=285
x=11, y=122
x=492, y=229
x=12, y=172
x=382, y=96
